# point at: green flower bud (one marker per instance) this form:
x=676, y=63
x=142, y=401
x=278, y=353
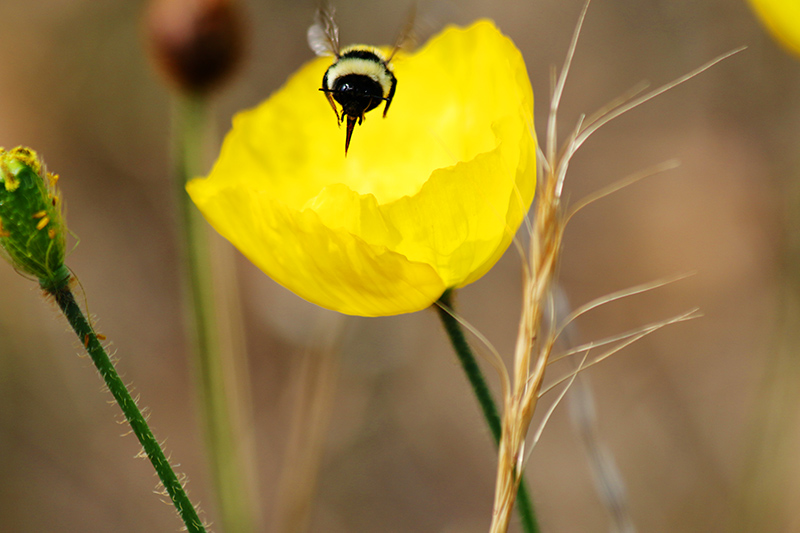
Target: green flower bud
x=32, y=231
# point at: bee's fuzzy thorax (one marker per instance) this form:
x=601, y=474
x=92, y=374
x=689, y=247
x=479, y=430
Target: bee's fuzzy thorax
x=356, y=48
x=364, y=61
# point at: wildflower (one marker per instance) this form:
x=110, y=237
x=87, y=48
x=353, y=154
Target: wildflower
x=32, y=231
x=782, y=19
x=427, y=198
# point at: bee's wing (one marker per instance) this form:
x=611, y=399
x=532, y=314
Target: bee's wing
x=323, y=35
x=406, y=38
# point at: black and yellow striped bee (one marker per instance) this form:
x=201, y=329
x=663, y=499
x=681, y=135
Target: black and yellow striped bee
x=361, y=76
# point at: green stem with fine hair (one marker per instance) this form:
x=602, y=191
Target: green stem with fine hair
x=459, y=341
x=227, y=469
x=66, y=301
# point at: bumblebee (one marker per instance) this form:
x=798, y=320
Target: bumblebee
x=360, y=78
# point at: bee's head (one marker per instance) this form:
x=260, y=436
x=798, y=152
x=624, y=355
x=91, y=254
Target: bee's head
x=357, y=93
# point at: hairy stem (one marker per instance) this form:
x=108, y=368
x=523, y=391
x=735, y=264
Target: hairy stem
x=66, y=301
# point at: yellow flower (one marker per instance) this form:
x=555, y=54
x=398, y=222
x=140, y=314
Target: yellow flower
x=782, y=18
x=427, y=198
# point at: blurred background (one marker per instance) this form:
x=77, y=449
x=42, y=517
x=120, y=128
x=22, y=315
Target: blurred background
x=701, y=417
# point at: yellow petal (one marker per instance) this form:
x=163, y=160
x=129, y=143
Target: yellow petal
x=782, y=18
x=344, y=273
x=427, y=198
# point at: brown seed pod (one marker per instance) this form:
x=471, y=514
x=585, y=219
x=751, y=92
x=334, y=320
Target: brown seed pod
x=196, y=44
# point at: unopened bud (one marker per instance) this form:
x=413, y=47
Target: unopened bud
x=32, y=231
x=195, y=43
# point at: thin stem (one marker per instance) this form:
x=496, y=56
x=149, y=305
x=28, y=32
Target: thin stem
x=219, y=419
x=484, y=396
x=66, y=301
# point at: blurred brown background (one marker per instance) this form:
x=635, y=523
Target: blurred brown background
x=685, y=411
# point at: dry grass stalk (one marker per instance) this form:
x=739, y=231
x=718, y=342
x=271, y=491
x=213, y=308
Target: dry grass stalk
x=523, y=390
x=314, y=397
x=520, y=402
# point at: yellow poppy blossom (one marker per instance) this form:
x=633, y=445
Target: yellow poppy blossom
x=427, y=198
x=782, y=18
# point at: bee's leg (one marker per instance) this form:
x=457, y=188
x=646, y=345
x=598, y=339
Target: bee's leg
x=333, y=106
x=390, y=96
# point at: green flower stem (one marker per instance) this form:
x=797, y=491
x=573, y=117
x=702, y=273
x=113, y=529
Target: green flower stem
x=228, y=474
x=66, y=301
x=459, y=341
